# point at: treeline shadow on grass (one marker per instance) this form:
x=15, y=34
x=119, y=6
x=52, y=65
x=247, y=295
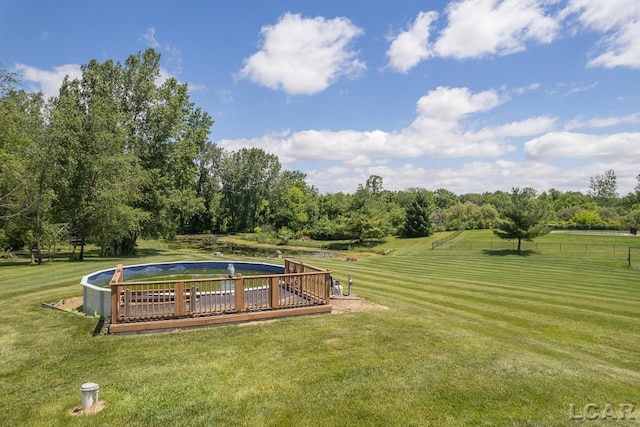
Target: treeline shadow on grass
x=508, y=252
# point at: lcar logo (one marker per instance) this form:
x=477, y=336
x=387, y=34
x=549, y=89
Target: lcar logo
x=608, y=411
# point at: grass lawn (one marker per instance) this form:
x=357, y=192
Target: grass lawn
x=471, y=337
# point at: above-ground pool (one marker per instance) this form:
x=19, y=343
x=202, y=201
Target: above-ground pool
x=96, y=295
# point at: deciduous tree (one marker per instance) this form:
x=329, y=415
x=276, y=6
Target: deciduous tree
x=604, y=188
x=524, y=217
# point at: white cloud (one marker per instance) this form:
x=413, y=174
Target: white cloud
x=48, y=82
x=150, y=38
x=555, y=145
x=171, y=55
x=475, y=177
x=480, y=27
x=412, y=46
x=440, y=129
x=525, y=89
x=303, y=56
x=477, y=28
x=450, y=104
x=603, y=122
x=472, y=177
x=581, y=87
x=619, y=21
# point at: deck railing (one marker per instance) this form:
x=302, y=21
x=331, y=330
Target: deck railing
x=300, y=286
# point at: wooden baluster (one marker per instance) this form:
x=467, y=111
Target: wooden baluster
x=127, y=303
x=178, y=299
x=192, y=300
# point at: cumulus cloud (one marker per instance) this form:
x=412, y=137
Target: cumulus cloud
x=47, y=81
x=555, y=145
x=475, y=176
x=480, y=27
x=440, y=129
x=412, y=46
x=619, y=22
x=303, y=56
x=450, y=104
x=475, y=28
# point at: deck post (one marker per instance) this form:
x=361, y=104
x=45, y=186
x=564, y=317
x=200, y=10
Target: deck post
x=178, y=299
x=274, y=292
x=115, y=303
x=239, y=290
x=118, y=277
x=327, y=287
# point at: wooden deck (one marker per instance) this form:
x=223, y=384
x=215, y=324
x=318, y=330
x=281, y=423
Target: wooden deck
x=144, y=306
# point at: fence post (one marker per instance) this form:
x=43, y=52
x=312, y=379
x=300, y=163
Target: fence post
x=239, y=289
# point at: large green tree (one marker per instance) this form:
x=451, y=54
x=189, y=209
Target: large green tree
x=523, y=217
x=294, y=203
x=169, y=137
x=26, y=167
x=418, y=217
x=604, y=188
x=131, y=149
x=101, y=176
x=247, y=177
x=372, y=213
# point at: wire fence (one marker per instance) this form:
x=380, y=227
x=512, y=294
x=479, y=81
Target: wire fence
x=593, y=248
x=450, y=237
x=597, y=232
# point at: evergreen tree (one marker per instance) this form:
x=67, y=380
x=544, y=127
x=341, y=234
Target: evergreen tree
x=418, y=218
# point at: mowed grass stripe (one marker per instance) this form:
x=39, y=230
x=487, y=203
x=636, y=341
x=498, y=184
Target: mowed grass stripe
x=545, y=274
x=512, y=331
x=594, y=308
x=596, y=314
x=554, y=284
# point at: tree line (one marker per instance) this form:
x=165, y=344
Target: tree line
x=118, y=155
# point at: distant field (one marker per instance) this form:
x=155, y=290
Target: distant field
x=471, y=337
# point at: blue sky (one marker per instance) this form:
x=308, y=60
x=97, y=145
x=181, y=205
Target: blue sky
x=467, y=95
